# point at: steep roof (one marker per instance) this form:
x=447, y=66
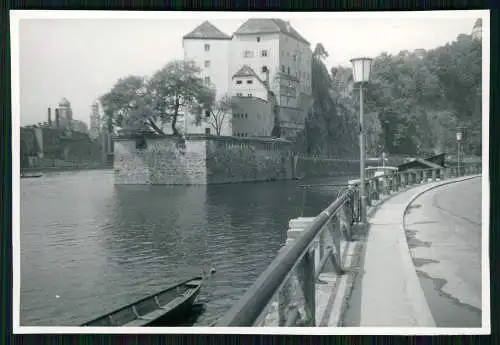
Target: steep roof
x=247, y=71
x=268, y=26
x=207, y=30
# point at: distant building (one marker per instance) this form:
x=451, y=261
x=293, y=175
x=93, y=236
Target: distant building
x=477, y=30
x=95, y=121
x=265, y=66
x=420, y=53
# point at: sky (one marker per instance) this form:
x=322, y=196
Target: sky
x=81, y=54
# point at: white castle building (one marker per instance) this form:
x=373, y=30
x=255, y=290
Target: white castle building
x=265, y=66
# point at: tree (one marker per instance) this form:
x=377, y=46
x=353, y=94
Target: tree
x=127, y=105
x=175, y=87
x=219, y=110
x=140, y=104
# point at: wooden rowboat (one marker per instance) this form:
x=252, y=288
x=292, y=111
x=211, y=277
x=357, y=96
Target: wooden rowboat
x=30, y=175
x=164, y=308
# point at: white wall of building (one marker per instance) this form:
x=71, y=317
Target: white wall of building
x=249, y=50
x=214, y=65
x=248, y=87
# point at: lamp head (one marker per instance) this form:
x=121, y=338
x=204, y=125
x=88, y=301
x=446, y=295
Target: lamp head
x=361, y=68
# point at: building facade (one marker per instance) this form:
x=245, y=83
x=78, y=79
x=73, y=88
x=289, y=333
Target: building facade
x=265, y=66
x=208, y=48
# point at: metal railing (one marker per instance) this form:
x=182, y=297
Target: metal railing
x=285, y=293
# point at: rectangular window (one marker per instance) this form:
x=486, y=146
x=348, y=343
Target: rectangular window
x=263, y=53
x=249, y=95
x=239, y=94
x=288, y=69
x=207, y=80
x=258, y=39
x=238, y=82
x=207, y=131
x=294, y=57
x=283, y=68
x=207, y=63
x=207, y=47
x=249, y=81
x=207, y=113
x=248, y=54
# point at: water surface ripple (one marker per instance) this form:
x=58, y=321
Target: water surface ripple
x=88, y=246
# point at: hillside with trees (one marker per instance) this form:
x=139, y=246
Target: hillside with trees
x=413, y=103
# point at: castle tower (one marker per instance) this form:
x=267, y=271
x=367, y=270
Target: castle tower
x=95, y=121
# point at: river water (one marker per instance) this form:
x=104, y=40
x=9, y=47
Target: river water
x=89, y=247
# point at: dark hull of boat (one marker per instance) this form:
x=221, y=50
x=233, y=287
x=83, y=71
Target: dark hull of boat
x=31, y=175
x=167, y=308
x=176, y=316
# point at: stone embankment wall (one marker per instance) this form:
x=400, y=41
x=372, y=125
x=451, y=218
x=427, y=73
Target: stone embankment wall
x=200, y=160
x=241, y=160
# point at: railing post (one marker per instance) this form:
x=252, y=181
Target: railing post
x=306, y=270
x=434, y=175
x=369, y=191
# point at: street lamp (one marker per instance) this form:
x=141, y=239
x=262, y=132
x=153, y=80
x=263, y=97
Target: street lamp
x=361, y=74
x=459, y=139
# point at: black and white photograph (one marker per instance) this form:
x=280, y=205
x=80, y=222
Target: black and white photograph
x=250, y=172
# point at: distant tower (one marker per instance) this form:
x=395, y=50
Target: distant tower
x=65, y=114
x=477, y=30
x=95, y=121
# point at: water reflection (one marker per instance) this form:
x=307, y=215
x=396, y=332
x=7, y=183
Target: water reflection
x=99, y=246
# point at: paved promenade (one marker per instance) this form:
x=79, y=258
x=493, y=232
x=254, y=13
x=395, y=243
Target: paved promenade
x=387, y=290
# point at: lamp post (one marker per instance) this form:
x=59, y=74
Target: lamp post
x=361, y=74
x=459, y=139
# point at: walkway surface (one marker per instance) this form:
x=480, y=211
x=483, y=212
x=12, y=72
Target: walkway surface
x=387, y=290
x=444, y=235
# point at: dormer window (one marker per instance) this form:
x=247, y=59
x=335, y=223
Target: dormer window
x=207, y=47
x=263, y=53
x=238, y=82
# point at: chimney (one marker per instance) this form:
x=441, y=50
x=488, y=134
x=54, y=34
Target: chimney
x=49, y=117
x=57, y=117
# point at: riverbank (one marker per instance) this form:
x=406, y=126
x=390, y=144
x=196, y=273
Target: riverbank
x=66, y=168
